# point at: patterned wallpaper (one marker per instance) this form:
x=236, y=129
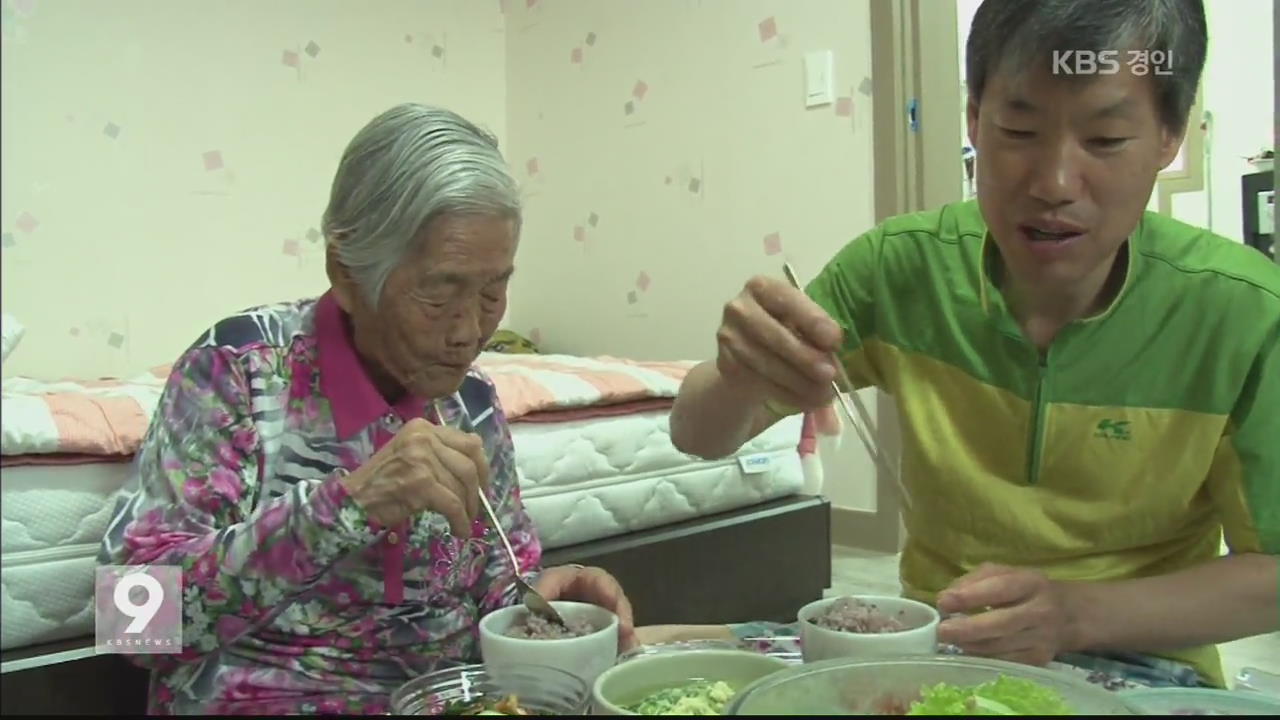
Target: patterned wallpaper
x=668, y=156
x=166, y=162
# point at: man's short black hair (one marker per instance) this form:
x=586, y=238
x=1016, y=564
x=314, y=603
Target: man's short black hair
x=1021, y=34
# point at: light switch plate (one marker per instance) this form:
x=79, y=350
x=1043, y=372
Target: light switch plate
x=819, y=78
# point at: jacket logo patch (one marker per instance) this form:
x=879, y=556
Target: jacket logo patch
x=1113, y=430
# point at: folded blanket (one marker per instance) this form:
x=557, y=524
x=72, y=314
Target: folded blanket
x=559, y=387
x=108, y=418
x=102, y=418
x=105, y=420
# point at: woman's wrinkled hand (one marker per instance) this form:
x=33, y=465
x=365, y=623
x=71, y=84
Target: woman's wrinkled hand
x=424, y=467
x=591, y=585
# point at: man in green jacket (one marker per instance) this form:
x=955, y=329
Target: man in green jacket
x=1089, y=392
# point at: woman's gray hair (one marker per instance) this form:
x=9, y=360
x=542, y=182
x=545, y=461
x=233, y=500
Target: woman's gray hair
x=1016, y=33
x=405, y=168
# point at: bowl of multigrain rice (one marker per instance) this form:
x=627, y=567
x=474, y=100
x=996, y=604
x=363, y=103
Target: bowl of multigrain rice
x=586, y=648
x=867, y=626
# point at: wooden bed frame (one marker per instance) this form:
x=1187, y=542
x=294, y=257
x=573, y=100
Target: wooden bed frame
x=758, y=563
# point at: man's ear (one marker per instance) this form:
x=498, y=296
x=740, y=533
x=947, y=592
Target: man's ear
x=1170, y=143
x=340, y=280
x=971, y=112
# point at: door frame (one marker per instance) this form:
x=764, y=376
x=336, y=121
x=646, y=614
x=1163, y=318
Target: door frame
x=1189, y=177
x=915, y=61
x=917, y=165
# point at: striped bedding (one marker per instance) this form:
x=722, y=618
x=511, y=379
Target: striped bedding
x=554, y=388
x=45, y=422
x=103, y=420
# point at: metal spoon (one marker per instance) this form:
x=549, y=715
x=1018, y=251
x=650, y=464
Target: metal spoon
x=531, y=598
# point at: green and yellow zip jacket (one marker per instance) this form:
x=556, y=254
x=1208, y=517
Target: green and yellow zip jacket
x=1127, y=450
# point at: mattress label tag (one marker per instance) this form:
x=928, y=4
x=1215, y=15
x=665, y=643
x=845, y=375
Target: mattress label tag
x=754, y=464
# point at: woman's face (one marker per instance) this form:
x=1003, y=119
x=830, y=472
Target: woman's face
x=437, y=309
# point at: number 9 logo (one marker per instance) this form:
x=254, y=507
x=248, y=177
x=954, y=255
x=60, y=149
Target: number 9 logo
x=144, y=613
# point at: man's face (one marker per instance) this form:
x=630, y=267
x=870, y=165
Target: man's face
x=438, y=308
x=1065, y=168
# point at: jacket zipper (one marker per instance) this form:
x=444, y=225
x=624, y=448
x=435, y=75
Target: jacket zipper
x=1037, y=419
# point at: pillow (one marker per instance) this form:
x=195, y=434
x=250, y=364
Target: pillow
x=511, y=343
x=12, y=331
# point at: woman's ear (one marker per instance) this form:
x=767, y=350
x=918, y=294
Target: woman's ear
x=344, y=287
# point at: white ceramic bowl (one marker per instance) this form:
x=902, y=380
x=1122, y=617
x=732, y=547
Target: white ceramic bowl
x=585, y=656
x=630, y=682
x=818, y=643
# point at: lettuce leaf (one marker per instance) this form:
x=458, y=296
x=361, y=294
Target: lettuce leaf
x=1002, y=696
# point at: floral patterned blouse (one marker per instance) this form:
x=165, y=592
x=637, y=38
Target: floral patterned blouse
x=295, y=601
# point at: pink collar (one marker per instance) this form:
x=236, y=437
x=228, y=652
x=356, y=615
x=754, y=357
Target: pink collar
x=353, y=398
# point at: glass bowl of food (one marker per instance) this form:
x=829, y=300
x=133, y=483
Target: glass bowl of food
x=495, y=689
x=924, y=685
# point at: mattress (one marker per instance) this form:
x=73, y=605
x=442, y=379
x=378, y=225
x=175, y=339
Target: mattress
x=582, y=480
x=591, y=479
x=54, y=517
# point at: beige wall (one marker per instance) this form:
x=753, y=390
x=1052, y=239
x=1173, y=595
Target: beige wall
x=109, y=109
x=138, y=245
x=718, y=153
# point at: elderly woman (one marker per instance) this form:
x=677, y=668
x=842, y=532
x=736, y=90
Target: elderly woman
x=314, y=466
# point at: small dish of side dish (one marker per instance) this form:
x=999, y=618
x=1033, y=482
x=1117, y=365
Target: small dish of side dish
x=688, y=682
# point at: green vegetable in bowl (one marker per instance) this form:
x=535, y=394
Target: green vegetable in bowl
x=701, y=697
x=1002, y=696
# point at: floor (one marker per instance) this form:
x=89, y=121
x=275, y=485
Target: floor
x=876, y=573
